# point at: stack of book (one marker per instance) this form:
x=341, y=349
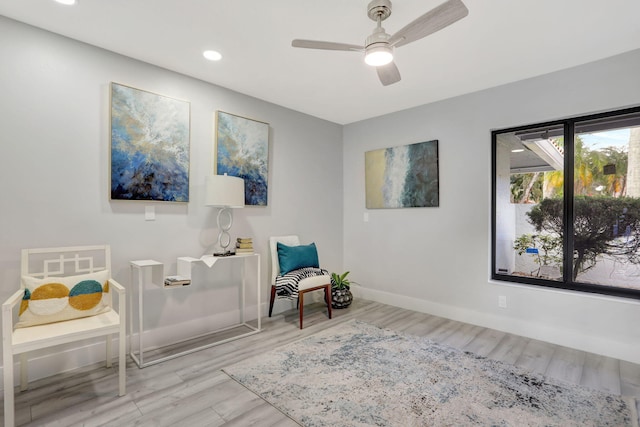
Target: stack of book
x=171, y=281
x=244, y=245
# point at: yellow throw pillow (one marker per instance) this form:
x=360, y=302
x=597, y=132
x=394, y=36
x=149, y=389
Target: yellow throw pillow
x=56, y=299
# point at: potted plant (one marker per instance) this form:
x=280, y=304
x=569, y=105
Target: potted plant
x=341, y=296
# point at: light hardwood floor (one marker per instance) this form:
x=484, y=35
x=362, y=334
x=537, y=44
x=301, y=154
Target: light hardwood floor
x=192, y=391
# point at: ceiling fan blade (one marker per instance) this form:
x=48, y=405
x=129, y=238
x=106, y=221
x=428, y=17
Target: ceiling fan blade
x=434, y=20
x=388, y=74
x=314, y=44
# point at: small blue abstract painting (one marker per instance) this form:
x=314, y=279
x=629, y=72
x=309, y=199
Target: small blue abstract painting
x=242, y=150
x=402, y=177
x=149, y=146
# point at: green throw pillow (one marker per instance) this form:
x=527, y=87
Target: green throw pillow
x=295, y=257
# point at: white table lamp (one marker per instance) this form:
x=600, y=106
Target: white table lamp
x=224, y=192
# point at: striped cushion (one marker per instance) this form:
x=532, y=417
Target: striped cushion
x=287, y=284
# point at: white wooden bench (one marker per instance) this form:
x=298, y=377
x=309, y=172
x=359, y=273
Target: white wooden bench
x=56, y=262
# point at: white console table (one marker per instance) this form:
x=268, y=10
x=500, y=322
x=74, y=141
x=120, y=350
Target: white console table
x=184, y=267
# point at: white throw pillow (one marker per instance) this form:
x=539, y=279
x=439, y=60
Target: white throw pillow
x=56, y=299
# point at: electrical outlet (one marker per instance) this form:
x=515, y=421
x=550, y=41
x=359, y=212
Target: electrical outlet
x=502, y=301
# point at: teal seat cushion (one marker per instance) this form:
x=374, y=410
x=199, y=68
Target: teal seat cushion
x=296, y=257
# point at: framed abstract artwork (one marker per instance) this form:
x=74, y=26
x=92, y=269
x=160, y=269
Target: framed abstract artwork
x=242, y=150
x=402, y=177
x=149, y=146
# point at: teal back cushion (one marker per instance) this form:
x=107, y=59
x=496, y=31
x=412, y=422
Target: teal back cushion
x=296, y=257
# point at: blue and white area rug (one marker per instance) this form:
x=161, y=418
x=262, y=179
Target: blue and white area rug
x=357, y=374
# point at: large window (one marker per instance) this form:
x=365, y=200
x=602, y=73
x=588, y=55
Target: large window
x=566, y=204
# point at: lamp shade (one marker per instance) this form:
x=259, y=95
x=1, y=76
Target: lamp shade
x=224, y=191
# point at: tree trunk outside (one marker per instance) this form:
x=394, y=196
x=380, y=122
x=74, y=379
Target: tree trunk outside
x=577, y=265
x=527, y=191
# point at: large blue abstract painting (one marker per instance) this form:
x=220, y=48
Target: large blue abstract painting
x=149, y=146
x=242, y=150
x=402, y=177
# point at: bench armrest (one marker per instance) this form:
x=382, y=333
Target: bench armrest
x=13, y=300
x=121, y=291
x=7, y=315
x=117, y=286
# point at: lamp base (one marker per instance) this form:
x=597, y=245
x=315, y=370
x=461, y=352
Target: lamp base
x=227, y=253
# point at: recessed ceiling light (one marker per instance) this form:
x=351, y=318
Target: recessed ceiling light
x=67, y=2
x=517, y=150
x=212, y=55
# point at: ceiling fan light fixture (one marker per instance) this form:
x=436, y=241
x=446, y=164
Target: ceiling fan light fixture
x=378, y=55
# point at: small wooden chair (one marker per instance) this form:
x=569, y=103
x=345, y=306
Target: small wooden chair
x=59, y=263
x=309, y=284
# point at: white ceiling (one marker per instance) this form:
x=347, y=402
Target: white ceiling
x=500, y=41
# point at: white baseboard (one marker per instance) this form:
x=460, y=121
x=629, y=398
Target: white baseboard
x=554, y=334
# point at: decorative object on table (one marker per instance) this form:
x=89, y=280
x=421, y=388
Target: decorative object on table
x=244, y=245
x=295, y=270
x=175, y=281
x=242, y=150
x=149, y=146
x=73, y=288
x=341, y=296
x=224, y=192
x=357, y=374
x=402, y=177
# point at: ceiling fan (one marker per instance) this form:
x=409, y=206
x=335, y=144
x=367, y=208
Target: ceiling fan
x=378, y=47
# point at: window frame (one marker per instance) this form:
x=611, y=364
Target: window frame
x=566, y=283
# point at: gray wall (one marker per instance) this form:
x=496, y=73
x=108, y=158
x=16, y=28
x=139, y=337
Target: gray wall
x=54, y=113
x=54, y=109
x=437, y=260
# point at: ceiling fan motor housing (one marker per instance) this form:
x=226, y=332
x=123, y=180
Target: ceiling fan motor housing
x=379, y=8
x=378, y=36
